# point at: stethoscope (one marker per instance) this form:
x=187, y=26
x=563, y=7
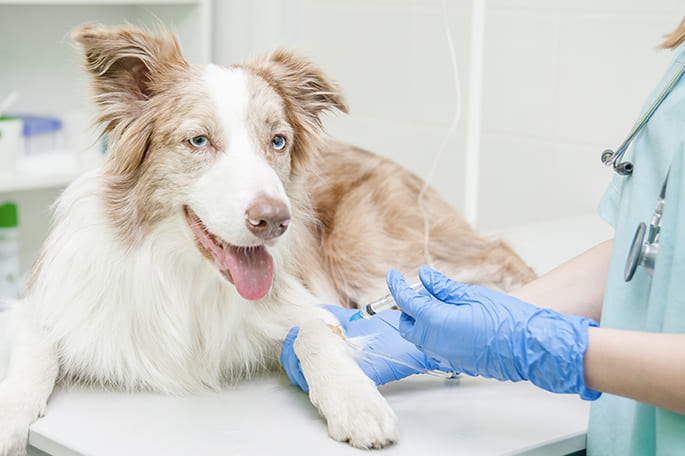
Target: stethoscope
x=645, y=245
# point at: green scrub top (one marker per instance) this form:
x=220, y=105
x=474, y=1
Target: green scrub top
x=621, y=426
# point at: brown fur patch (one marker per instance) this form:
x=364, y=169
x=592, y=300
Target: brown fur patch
x=306, y=92
x=144, y=90
x=370, y=222
x=336, y=330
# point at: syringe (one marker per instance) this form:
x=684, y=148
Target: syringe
x=384, y=303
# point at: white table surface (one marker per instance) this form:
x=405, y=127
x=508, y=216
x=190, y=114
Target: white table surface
x=471, y=416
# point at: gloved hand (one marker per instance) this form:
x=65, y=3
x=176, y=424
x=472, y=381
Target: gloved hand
x=479, y=331
x=377, y=339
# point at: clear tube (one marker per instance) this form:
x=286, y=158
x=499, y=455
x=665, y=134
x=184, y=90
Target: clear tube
x=420, y=369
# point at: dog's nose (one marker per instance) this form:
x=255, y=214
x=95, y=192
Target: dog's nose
x=267, y=218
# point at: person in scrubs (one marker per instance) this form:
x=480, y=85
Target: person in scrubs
x=547, y=332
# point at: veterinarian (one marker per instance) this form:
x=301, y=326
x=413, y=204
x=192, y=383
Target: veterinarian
x=547, y=332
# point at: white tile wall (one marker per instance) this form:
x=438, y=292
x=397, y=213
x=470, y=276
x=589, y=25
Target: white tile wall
x=606, y=72
x=561, y=81
x=36, y=47
x=561, y=84
x=530, y=180
x=591, y=6
x=392, y=60
x=520, y=74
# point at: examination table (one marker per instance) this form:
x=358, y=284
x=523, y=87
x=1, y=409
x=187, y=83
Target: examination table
x=269, y=416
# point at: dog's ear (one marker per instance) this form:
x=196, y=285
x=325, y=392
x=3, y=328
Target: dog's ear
x=302, y=83
x=306, y=90
x=125, y=60
x=125, y=64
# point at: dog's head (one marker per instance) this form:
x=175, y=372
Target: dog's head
x=218, y=147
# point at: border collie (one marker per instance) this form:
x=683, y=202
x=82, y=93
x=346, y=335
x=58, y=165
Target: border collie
x=219, y=219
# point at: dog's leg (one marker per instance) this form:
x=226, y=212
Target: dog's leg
x=354, y=409
x=31, y=374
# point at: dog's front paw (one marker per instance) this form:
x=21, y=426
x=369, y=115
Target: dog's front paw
x=16, y=415
x=354, y=409
x=13, y=434
x=361, y=416
x=14, y=444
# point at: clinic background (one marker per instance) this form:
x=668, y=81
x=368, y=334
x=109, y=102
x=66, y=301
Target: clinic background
x=546, y=85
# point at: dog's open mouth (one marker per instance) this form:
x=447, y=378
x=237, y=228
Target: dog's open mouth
x=250, y=269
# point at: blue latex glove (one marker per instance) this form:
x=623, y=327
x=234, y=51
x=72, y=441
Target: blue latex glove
x=479, y=331
x=376, y=335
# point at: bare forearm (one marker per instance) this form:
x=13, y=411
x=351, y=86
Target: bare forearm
x=576, y=287
x=648, y=367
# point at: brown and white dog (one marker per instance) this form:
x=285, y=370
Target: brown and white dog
x=218, y=220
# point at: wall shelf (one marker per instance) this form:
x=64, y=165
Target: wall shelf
x=56, y=170
x=66, y=96
x=43, y=65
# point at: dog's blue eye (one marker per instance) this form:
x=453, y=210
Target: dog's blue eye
x=278, y=142
x=199, y=141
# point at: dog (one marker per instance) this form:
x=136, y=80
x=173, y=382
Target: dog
x=220, y=218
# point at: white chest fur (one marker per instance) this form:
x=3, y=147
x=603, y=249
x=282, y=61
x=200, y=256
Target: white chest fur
x=157, y=316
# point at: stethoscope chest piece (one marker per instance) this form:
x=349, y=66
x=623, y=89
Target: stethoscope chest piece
x=645, y=244
x=642, y=252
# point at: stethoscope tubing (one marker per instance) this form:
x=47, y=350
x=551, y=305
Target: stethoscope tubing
x=645, y=246
x=611, y=158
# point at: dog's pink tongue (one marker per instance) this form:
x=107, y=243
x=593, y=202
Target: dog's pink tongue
x=252, y=270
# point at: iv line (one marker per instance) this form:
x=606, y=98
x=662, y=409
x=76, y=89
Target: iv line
x=387, y=357
x=420, y=369
x=443, y=145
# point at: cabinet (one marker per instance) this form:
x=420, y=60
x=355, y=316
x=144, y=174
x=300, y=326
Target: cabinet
x=40, y=62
